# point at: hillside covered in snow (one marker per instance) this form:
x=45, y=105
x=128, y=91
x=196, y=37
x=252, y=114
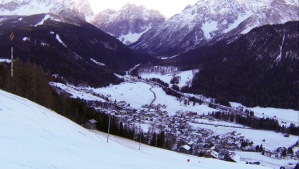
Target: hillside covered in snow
x=35, y=137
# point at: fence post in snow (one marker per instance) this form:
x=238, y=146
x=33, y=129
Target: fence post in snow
x=139, y=134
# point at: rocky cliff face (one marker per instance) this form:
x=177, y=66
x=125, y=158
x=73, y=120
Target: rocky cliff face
x=211, y=20
x=129, y=23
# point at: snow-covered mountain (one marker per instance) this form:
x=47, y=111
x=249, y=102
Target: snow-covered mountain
x=70, y=48
x=33, y=136
x=129, y=23
x=265, y=59
x=200, y=23
x=62, y=7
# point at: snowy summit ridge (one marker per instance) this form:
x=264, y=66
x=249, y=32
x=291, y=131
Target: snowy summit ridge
x=200, y=23
x=30, y=7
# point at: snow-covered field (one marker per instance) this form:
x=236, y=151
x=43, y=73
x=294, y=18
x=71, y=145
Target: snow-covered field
x=137, y=94
x=272, y=140
x=286, y=115
x=76, y=92
x=174, y=105
x=32, y=136
x=218, y=123
x=276, y=164
x=186, y=77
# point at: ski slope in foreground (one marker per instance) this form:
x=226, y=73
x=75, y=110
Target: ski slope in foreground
x=32, y=136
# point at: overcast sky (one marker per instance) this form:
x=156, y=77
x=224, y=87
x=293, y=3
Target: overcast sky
x=166, y=7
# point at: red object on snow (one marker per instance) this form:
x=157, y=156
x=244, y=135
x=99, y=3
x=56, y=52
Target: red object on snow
x=188, y=160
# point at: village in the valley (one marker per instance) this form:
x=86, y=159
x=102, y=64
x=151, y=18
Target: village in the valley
x=188, y=131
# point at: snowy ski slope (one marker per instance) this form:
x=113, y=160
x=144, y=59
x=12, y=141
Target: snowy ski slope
x=32, y=136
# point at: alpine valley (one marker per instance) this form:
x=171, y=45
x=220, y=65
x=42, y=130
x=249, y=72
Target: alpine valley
x=217, y=82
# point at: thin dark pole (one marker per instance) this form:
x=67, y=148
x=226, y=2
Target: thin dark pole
x=139, y=136
x=109, y=111
x=11, y=61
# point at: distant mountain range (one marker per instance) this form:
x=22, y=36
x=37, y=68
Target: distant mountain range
x=66, y=8
x=129, y=23
x=212, y=20
x=196, y=25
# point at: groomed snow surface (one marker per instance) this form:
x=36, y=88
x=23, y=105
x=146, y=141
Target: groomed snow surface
x=35, y=137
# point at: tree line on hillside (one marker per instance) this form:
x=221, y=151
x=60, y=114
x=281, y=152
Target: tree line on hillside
x=248, y=70
x=256, y=123
x=31, y=82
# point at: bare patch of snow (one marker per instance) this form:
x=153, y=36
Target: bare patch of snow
x=43, y=20
x=247, y=29
x=208, y=27
x=290, y=2
x=59, y=40
x=119, y=76
x=5, y=60
x=77, y=56
x=170, y=57
x=240, y=19
x=26, y=39
x=280, y=53
x=44, y=44
x=98, y=63
x=131, y=37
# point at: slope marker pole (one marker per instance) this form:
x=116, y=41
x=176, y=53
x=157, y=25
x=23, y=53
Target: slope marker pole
x=11, y=61
x=11, y=50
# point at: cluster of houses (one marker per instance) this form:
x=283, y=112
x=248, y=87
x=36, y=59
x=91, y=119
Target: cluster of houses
x=188, y=139
x=282, y=153
x=216, y=146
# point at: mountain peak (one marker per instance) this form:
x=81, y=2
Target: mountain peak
x=129, y=23
x=128, y=4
